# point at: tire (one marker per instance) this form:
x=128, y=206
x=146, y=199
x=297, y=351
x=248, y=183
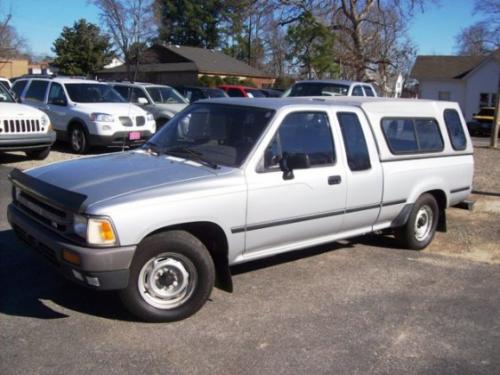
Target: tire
x=180, y=262
x=78, y=139
x=38, y=154
x=160, y=122
x=420, y=228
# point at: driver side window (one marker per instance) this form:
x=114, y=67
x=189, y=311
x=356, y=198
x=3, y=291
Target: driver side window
x=305, y=133
x=56, y=95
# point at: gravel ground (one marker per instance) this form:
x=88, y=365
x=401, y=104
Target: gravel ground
x=487, y=169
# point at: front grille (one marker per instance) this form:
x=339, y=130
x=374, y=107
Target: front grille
x=126, y=121
x=140, y=120
x=39, y=247
x=44, y=213
x=20, y=126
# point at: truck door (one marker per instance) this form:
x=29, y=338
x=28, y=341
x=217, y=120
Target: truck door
x=284, y=210
x=363, y=172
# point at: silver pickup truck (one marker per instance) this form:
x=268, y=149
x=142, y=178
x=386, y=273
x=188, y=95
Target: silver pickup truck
x=233, y=180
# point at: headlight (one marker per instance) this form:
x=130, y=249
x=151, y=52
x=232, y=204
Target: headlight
x=97, y=231
x=101, y=117
x=45, y=121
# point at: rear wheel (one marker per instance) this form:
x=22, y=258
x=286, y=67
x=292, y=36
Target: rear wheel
x=38, y=154
x=171, y=277
x=419, y=231
x=78, y=139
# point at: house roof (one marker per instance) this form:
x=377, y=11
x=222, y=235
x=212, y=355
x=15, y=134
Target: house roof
x=173, y=58
x=447, y=67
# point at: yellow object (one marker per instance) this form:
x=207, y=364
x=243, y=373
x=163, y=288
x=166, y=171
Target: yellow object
x=71, y=257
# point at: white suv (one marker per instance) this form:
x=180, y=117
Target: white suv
x=23, y=128
x=86, y=113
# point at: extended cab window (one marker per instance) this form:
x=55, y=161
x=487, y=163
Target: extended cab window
x=36, y=91
x=358, y=157
x=455, y=129
x=412, y=135
x=302, y=133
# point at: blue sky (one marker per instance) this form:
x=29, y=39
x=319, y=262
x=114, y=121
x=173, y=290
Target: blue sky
x=41, y=21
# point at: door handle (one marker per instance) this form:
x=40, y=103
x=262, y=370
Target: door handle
x=334, y=180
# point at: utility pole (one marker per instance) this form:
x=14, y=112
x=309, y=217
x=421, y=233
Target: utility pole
x=495, y=127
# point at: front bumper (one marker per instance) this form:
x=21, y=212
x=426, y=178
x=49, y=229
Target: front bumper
x=17, y=142
x=109, y=266
x=119, y=139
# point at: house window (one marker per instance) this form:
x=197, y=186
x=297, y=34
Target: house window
x=493, y=101
x=484, y=99
x=444, y=95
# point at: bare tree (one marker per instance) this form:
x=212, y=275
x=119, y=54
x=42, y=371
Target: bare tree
x=131, y=25
x=478, y=39
x=11, y=43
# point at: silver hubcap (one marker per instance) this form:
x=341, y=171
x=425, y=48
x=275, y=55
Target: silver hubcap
x=423, y=222
x=77, y=139
x=167, y=281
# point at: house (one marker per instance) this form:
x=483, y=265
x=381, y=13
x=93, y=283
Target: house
x=13, y=67
x=183, y=65
x=472, y=81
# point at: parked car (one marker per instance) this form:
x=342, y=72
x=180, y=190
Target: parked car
x=195, y=93
x=228, y=181
x=164, y=102
x=242, y=91
x=23, y=128
x=271, y=93
x=482, y=122
x=5, y=82
x=86, y=113
x=331, y=88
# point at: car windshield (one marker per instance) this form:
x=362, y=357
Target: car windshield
x=93, y=93
x=254, y=93
x=5, y=97
x=319, y=89
x=165, y=95
x=212, y=133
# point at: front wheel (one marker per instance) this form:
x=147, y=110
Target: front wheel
x=419, y=231
x=171, y=277
x=78, y=139
x=38, y=154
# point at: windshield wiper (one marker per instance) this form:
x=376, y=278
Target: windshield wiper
x=152, y=148
x=194, y=155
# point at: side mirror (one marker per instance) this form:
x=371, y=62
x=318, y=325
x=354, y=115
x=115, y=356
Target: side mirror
x=294, y=161
x=59, y=101
x=142, y=100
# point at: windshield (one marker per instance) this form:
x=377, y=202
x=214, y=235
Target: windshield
x=215, y=93
x=5, y=97
x=93, y=93
x=254, y=93
x=213, y=133
x=165, y=95
x=319, y=89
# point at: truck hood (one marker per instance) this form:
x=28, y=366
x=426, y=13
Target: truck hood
x=18, y=110
x=109, y=176
x=117, y=109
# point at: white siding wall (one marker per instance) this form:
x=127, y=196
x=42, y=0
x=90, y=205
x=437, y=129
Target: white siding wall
x=430, y=90
x=484, y=79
